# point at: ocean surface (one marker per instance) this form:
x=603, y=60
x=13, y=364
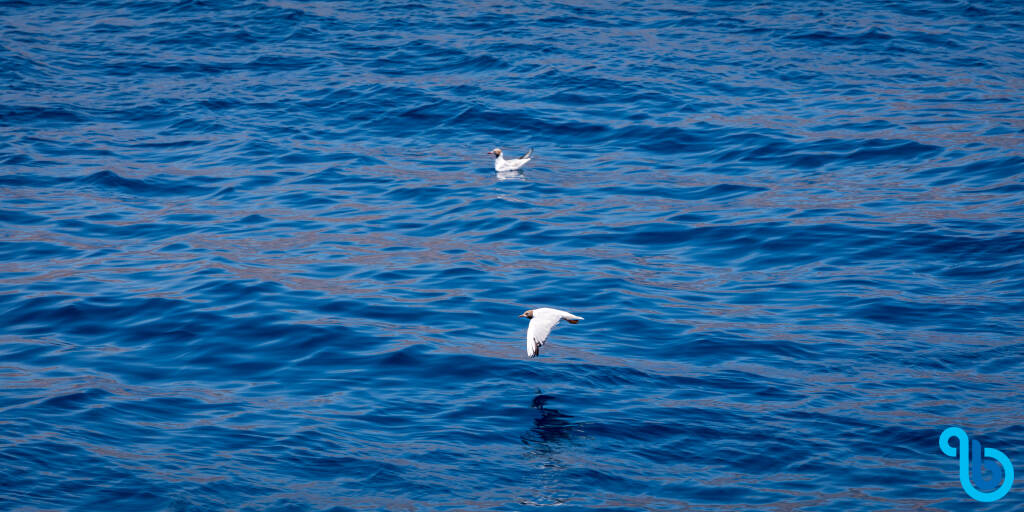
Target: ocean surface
x=255, y=256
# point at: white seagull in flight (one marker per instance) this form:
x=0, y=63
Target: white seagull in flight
x=502, y=165
x=541, y=322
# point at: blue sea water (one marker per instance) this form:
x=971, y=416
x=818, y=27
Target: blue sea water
x=255, y=256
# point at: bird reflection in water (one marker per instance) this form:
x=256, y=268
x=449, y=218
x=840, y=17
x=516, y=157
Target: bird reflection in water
x=552, y=432
x=510, y=175
x=549, y=430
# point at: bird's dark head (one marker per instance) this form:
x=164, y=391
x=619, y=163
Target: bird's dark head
x=527, y=314
x=496, y=152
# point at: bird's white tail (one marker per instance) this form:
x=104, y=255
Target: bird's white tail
x=572, y=319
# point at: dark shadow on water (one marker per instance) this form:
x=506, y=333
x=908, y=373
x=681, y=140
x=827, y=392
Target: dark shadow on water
x=551, y=431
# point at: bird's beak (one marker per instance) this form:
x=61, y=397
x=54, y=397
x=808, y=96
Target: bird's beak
x=522, y=315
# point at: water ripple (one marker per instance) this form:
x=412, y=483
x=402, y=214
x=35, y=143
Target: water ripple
x=256, y=258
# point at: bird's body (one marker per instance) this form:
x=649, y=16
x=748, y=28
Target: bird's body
x=542, y=320
x=503, y=166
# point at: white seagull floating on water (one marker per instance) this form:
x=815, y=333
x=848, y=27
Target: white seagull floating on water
x=502, y=165
x=542, y=320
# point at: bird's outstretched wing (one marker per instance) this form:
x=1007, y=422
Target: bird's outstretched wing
x=538, y=331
